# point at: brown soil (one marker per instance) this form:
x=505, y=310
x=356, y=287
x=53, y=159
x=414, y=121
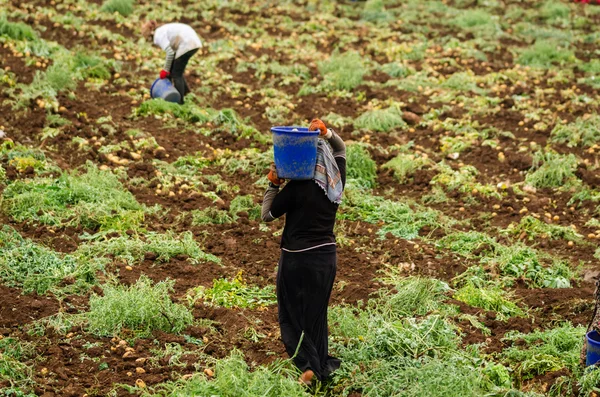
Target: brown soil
x=18, y=309
x=73, y=362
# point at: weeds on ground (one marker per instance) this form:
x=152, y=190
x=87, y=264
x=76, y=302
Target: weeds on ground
x=60, y=323
x=398, y=218
x=62, y=75
x=13, y=370
x=188, y=112
x=94, y=200
x=414, y=296
x=234, y=293
x=250, y=160
x=553, y=10
x=374, y=11
x=172, y=352
x=534, y=228
x=233, y=378
x=470, y=19
x=343, y=71
x=92, y=66
x=583, y=132
x=228, y=120
x=551, y=170
x=545, y=53
x=16, y=30
x=397, y=70
x=360, y=166
x=516, y=261
x=133, y=248
x=123, y=7
x=35, y=268
x=210, y=216
x=385, y=353
x=544, y=351
x=489, y=298
x=404, y=165
x=463, y=180
x=244, y=204
x=589, y=381
x=381, y=120
x=21, y=157
x=138, y=309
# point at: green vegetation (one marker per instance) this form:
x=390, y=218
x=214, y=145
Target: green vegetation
x=385, y=353
x=67, y=68
x=544, y=54
x=16, y=30
x=442, y=104
x=137, y=310
x=234, y=293
x=381, y=120
x=463, y=180
x=123, y=7
x=35, y=268
x=244, y=204
x=534, y=228
x=164, y=246
x=545, y=351
x=553, y=10
x=233, y=378
x=397, y=69
x=343, y=71
x=397, y=218
x=551, y=170
x=13, y=370
x=360, y=166
x=583, y=132
x=414, y=296
x=404, y=165
x=468, y=19
x=516, y=261
x=188, y=112
x=492, y=298
x=95, y=200
x=92, y=66
x=210, y=215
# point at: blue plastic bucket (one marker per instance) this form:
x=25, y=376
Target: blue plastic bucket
x=592, y=355
x=163, y=88
x=295, y=152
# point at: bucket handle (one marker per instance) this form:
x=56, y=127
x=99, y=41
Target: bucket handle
x=153, y=84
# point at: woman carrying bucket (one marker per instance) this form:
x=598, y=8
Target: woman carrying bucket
x=307, y=265
x=180, y=42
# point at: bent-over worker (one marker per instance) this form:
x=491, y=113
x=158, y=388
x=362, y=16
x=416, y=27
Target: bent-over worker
x=180, y=42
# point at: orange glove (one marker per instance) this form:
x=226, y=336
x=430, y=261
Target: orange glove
x=275, y=180
x=317, y=124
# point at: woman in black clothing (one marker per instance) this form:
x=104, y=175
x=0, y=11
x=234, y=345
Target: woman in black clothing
x=307, y=265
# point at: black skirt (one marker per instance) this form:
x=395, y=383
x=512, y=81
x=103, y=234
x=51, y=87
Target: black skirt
x=304, y=283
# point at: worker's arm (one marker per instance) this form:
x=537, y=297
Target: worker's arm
x=274, y=206
x=268, y=198
x=169, y=59
x=339, y=153
x=337, y=144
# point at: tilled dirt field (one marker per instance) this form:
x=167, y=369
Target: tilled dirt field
x=516, y=106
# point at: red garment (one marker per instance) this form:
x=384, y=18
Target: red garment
x=164, y=74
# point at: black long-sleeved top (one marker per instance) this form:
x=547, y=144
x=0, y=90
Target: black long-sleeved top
x=310, y=215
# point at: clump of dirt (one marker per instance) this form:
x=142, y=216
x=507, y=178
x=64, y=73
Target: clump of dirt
x=18, y=309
